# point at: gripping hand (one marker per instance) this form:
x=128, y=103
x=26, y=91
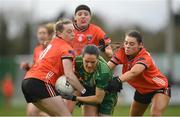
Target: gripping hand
x=114, y=85
x=68, y=96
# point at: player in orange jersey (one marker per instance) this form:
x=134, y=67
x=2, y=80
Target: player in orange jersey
x=45, y=33
x=7, y=90
x=56, y=60
x=88, y=33
x=140, y=71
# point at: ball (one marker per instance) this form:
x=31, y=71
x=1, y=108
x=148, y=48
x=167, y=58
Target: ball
x=63, y=86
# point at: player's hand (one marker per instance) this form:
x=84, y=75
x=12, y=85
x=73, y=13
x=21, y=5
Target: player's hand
x=25, y=66
x=89, y=91
x=102, y=45
x=114, y=85
x=68, y=96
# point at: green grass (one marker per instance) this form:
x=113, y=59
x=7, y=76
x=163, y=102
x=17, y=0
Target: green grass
x=119, y=111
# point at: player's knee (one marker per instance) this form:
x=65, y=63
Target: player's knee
x=156, y=111
x=31, y=112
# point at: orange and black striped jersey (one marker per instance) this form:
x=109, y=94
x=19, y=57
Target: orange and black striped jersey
x=49, y=65
x=91, y=35
x=151, y=79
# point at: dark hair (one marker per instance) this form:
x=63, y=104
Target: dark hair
x=82, y=7
x=91, y=49
x=135, y=34
x=59, y=26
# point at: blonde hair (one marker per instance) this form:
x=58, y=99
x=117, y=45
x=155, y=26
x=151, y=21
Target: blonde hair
x=50, y=28
x=59, y=26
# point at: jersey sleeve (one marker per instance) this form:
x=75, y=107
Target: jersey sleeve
x=117, y=58
x=102, y=81
x=68, y=53
x=103, y=76
x=144, y=60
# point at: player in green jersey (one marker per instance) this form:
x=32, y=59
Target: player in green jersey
x=94, y=74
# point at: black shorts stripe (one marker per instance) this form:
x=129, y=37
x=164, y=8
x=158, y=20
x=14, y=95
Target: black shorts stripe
x=50, y=90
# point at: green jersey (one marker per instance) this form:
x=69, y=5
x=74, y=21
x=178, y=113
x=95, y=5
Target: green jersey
x=99, y=78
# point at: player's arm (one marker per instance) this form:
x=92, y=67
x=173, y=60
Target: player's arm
x=135, y=71
x=111, y=64
x=105, y=48
x=69, y=73
x=108, y=51
x=25, y=66
x=115, y=85
x=97, y=98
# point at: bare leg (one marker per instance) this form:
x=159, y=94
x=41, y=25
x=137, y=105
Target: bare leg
x=159, y=103
x=70, y=105
x=89, y=110
x=32, y=110
x=54, y=106
x=137, y=109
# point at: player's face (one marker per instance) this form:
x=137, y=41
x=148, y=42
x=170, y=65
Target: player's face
x=89, y=62
x=42, y=35
x=68, y=33
x=131, y=46
x=82, y=18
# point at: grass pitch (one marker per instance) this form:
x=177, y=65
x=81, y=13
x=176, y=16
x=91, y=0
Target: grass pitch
x=119, y=111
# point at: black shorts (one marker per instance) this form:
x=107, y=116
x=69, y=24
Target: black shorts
x=34, y=90
x=146, y=98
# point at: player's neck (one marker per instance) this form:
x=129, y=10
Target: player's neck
x=130, y=57
x=82, y=29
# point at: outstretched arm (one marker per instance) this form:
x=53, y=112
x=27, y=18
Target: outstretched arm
x=135, y=70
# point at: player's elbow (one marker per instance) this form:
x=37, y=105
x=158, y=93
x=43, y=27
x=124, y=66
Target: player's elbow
x=69, y=75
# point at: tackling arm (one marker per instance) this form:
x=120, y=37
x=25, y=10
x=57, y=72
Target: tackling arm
x=135, y=70
x=71, y=77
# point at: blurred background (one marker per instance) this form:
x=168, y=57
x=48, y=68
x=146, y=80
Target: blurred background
x=157, y=20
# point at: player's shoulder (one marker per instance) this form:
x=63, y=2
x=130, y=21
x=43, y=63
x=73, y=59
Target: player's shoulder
x=144, y=55
x=103, y=67
x=61, y=43
x=38, y=48
x=120, y=52
x=78, y=58
x=95, y=27
x=78, y=62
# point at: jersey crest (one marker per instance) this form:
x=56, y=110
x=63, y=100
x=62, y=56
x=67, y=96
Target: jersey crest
x=89, y=37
